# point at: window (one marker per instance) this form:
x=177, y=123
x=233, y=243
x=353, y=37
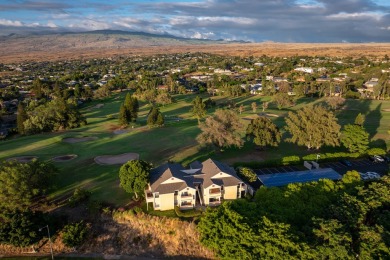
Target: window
x=157, y=195
x=176, y=192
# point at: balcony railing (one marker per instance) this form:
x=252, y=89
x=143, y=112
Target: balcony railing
x=186, y=195
x=214, y=191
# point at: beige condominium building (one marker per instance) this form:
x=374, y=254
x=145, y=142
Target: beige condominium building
x=202, y=184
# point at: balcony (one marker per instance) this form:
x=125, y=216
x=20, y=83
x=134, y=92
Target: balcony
x=186, y=195
x=148, y=196
x=215, y=191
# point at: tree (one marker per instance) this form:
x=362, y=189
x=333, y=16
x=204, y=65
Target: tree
x=241, y=108
x=254, y=107
x=123, y=116
x=155, y=117
x=263, y=132
x=221, y=130
x=282, y=100
x=264, y=106
x=313, y=127
x=359, y=120
x=199, y=108
x=21, y=227
x=335, y=102
x=164, y=98
x=21, y=183
x=355, y=138
x=132, y=107
x=21, y=118
x=134, y=176
x=74, y=234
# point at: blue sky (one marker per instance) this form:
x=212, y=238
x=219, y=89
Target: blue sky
x=252, y=20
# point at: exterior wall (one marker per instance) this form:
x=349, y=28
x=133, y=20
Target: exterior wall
x=230, y=192
x=166, y=201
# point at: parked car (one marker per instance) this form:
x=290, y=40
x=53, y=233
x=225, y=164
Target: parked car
x=376, y=158
x=373, y=175
x=346, y=162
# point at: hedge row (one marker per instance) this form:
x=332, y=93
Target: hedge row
x=295, y=160
x=187, y=213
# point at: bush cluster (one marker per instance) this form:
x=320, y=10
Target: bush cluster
x=187, y=213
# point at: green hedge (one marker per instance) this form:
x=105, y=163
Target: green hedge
x=187, y=213
x=295, y=160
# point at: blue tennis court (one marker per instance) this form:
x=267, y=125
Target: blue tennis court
x=282, y=179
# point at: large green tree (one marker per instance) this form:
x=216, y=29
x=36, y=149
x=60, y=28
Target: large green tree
x=155, y=117
x=132, y=107
x=263, y=132
x=221, y=130
x=21, y=227
x=355, y=138
x=123, y=116
x=198, y=109
x=313, y=127
x=134, y=176
x=20, y=183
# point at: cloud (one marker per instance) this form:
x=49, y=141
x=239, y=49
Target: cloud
x=5, y=22
x=33, y=5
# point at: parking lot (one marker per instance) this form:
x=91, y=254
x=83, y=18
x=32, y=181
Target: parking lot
x=282, y=169
x=361, y=165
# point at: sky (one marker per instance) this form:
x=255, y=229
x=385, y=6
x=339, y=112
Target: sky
x=249, y=20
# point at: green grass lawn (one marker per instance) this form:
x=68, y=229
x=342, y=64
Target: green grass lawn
x=176, y=141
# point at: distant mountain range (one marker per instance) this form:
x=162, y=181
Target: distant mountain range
x=46, y=40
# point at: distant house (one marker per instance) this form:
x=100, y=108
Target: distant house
x=305, y=69
x=206, y=183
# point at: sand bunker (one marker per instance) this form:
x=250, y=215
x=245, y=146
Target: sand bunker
x=73, y=140
x=120, y=131
x=22, y=159
x=386, y=110
x=116, y=159
x=98, y=106
x=64, y=158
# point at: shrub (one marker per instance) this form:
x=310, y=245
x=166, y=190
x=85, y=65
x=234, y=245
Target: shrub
x=294, y=159
x=376, y=151
x=187, y=213
x=247, y=174
x=137, y=210
x=74, y=234
x=78, y=196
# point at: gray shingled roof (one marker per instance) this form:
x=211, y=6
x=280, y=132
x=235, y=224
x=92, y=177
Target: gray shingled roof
x=209, y=169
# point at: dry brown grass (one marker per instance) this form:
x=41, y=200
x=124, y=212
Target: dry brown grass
x=130, y=235
x=143, y=234
x=10, y=53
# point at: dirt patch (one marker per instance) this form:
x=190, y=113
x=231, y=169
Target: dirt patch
x=22, y=159
x=116, y=159
x=73, y=140
x=64, y=158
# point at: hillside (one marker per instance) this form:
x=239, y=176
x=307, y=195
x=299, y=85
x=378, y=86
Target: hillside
x=106, y=43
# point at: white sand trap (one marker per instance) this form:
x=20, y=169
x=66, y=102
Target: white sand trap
x=116, y=159
x=121, y=131
x=73, y=140
x=22, y=159
x=98, y=106
x=386, y=110
x=268, y=114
